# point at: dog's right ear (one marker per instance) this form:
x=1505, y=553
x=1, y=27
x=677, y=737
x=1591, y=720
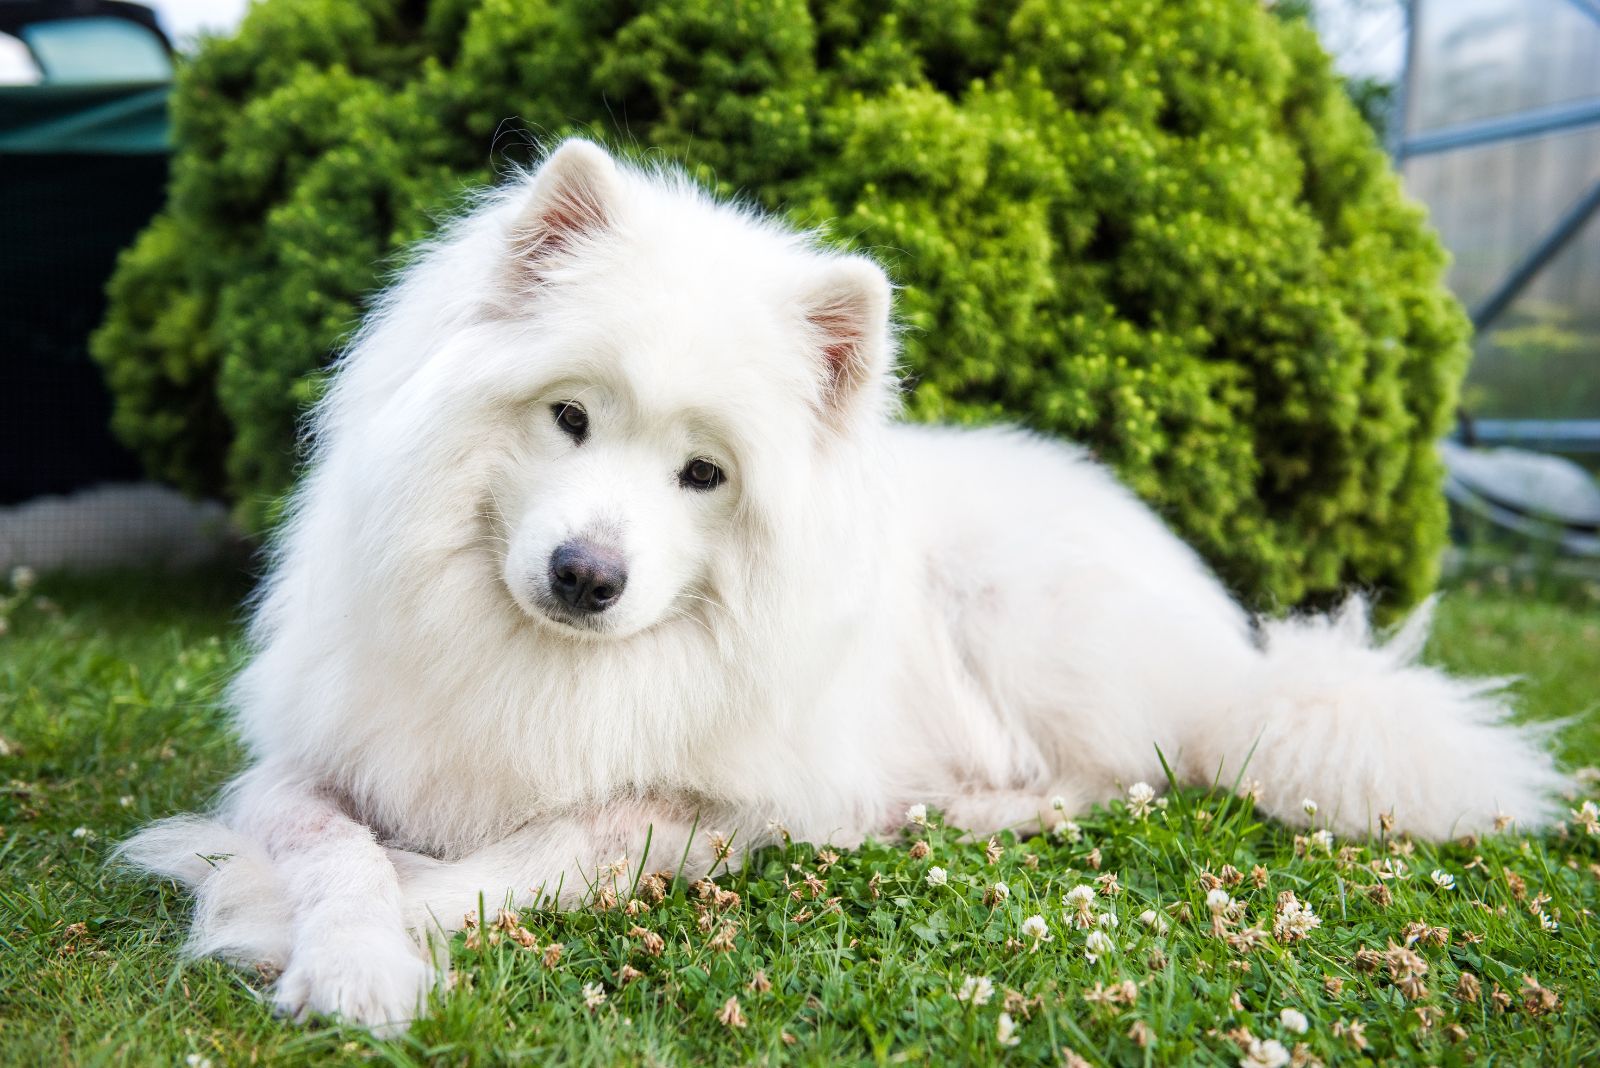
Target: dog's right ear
x=846, y=310
x=572, y=199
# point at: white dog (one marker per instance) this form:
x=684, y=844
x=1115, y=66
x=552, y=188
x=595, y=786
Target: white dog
x=611, y=533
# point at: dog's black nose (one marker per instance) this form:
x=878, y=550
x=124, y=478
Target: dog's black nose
x=587, y=577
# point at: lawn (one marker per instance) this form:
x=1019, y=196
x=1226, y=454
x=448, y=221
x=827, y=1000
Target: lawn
x=108, y=714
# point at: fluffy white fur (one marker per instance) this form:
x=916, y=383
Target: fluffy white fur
x=864, y=615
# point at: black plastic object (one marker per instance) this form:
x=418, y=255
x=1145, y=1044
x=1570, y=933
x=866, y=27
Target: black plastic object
x=82, y=170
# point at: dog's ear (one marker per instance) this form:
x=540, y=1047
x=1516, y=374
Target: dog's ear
x=846, y=311
x=573, y=198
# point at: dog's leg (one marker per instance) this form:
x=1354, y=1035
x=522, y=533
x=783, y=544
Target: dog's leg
x=1023, y=811
x=349, y=954
x=570, y=861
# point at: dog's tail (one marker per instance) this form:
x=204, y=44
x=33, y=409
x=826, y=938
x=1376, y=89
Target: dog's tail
x=1352, y=722
x=241, y=912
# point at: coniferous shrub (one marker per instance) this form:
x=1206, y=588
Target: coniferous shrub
x=1155, y=226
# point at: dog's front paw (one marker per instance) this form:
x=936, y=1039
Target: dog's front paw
x=378, y=982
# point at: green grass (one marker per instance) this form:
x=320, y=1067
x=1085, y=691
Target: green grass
x=108, y=709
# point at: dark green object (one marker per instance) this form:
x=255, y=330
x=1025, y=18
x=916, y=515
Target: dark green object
x=84, y=119
x=1156, y=226
x=82, y=170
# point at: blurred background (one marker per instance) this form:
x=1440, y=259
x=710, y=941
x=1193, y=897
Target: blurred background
x=1488, y=109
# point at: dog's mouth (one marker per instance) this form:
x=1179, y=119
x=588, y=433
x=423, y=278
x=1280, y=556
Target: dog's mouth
x=549, y=615
x=558, y=618
x=555, y=618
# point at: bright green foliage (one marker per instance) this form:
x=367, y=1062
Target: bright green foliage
x=1155, y=226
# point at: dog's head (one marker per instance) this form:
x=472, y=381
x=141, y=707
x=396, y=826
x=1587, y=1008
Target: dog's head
x=683, y=368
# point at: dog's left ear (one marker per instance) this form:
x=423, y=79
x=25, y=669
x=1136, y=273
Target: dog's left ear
x=847, y=312
x=572, y=199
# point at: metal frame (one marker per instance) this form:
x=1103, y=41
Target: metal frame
x=1553, y=119
x=1546, y=249
x=1568, y=435
x=1575, y=115
x=1400, y=105
x=1543, y=435
x=1588, y=7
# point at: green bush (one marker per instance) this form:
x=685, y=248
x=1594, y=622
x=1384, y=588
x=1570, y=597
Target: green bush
x=1155, y=226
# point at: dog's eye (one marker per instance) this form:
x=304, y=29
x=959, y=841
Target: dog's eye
x=701, y=474
x=572, y=420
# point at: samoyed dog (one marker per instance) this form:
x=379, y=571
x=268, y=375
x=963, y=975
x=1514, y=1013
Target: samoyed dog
x=611, y=538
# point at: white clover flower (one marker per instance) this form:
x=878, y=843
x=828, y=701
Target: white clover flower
x=1067, y=831
x=1323, y=840
x=1005, y=1030
x=731, y=1016
x=1106, y=920
x=82, y=832
x=23, y=578
x=1391, y=868
x=1154, y=920
x=1588, y=815
x=1547, y=923
x=1309, y=806
x=1097, y=945
x=1218, y=900
x=937, y=876
x=1264, y=1054
x=1035, y=928
x=1294, y=921
x=1294, y=1020
x=1000, y=891
x=594, y=995
x=126, y=800
x=1059, y=803
x=976, y=990
x=1079, y=902
x=1140, y=798
x=1079, y=897
x=194, y=1060
x=1443, y=879
x=917, y=814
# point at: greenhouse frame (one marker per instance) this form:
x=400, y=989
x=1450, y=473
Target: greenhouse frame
x=1497, y=131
